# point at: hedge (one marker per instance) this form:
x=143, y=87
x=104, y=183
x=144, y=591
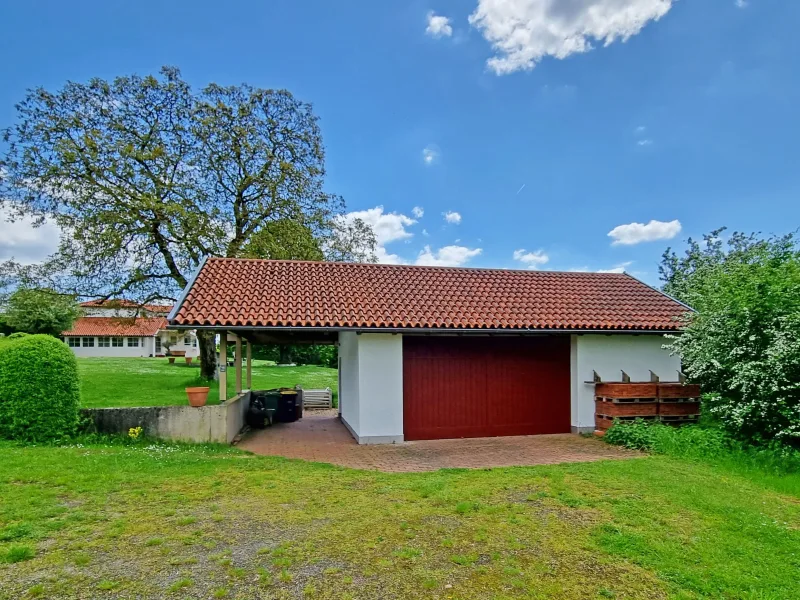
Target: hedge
x=39, y=389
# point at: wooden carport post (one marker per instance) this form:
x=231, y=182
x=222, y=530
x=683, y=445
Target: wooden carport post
x=237, y=363
x=249, y=366
x=223, y=366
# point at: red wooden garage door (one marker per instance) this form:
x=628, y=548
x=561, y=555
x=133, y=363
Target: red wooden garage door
x=480, y=386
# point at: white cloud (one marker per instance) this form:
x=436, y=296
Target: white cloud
x=620, y=268
x=741, y=3
x=448, y=256
x=532, y=260
x=430, y=154
x=425, y=232
x=24, y=242
x=438, y=26
x=523, y=32
x=635, y=233
x=640, y=129
x=386, y=258
x=645, y=142
x=452, y=216
x=418, y=212
x=388, y=227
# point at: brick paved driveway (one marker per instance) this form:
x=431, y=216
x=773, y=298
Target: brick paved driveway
x=320, y=436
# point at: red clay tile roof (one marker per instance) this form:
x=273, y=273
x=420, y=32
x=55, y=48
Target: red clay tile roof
x=117, y=326
x=261, y=293
x=155, y=308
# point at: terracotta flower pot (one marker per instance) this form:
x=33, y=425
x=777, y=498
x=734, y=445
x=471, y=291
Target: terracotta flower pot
x=188, y=360
x=171, y=360
x=197, y=395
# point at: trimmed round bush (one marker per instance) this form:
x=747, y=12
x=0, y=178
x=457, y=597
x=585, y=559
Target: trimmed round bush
x=39, y=389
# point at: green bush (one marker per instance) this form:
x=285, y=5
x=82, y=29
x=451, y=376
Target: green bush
x=39, y=390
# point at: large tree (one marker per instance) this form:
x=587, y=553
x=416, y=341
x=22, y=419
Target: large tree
x=146, y=176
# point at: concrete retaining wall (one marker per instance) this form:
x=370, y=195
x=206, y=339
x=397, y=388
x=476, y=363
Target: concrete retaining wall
x=180, y=423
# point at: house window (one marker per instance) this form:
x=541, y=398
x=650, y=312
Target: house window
x=103, y=342
x=133, y=342
x=116, y=342
x=187, y=340
x=74, y=342
x=194, y=342
x=158, y=345
x=88, y=342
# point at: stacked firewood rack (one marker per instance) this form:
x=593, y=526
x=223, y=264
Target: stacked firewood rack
x=673, y=403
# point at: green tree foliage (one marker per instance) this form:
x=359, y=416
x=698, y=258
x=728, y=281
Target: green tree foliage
x=742, y=343
x=285, y=239
x=39, y=311
x=148, y=176
x=39, y=390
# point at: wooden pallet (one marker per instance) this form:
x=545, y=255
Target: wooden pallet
x=678, y=419
x=615, y=408
x=603, y=422
x=317, y=399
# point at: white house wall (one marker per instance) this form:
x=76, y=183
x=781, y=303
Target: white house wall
x=372, y=386
x=609, y=355
x=146, y=348
x=179, y=346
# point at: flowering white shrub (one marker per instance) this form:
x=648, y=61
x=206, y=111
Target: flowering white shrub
x=743, y=344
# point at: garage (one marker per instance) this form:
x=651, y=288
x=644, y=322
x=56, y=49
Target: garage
x=456, y=387
x=440, y=352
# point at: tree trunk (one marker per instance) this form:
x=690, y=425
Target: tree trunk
x=207, y=343
x=284, y=354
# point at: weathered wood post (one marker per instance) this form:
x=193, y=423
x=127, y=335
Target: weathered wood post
x=249, y=366
x=223, y=366
x=237, y=363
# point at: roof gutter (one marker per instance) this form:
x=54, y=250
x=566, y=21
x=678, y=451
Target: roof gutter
x=186, y=290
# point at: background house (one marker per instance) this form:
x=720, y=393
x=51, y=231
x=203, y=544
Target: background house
x=119, y=328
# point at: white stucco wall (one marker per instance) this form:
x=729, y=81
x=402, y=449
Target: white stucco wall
x=609, y=355
x=372, y=386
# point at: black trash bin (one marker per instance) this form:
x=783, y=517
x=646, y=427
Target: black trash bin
x=289, y=408
x=263, y=408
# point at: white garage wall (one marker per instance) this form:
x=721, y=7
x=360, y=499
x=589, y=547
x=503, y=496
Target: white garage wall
x=380, y=369
x=609, y=355
x=372, y=386
x=348, y=380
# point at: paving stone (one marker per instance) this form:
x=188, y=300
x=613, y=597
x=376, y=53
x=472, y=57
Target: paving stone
x=320, y=436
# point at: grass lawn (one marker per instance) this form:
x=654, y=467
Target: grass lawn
x=206, y=522
x=107, y=382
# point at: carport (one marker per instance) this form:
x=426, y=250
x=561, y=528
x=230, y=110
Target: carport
x=437, y=352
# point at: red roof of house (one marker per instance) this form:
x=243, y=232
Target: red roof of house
x=117, y=326
x=263, y=293
x=155, y=308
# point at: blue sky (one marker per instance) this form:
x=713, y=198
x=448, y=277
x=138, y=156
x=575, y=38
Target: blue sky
x=538, y=141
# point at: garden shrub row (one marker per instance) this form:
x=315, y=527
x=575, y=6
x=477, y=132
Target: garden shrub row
x=39, y=388
x=703, y=442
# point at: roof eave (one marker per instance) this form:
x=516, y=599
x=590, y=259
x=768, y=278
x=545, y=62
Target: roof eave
x=186, y=291
x=423, y=330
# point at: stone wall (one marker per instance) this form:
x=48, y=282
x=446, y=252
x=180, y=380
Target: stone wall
x=218, y=424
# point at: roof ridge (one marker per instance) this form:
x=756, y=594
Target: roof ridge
x=400, y=266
